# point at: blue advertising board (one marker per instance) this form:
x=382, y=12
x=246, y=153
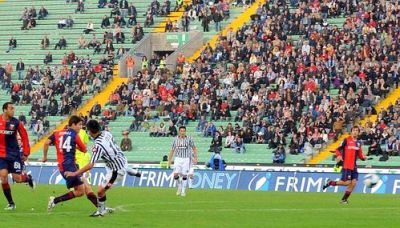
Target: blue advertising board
x=231, y=180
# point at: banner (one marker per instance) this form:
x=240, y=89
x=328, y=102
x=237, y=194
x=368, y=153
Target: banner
x=231, y=180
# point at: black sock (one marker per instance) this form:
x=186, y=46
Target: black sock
x=346, y=195
x=92, y=197
x=102, y=199
x=7, y=193
x=65, y=197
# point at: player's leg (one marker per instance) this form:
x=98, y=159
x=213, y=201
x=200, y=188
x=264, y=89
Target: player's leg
x=345, y=180
x=5, y=185
x=350, y=187
x=112, y=178
x=89, y=191
x=20, y=176
x=72, y=182
x=177, y=174
x=185, y=173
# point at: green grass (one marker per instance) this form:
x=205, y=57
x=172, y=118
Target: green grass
x=159, y=207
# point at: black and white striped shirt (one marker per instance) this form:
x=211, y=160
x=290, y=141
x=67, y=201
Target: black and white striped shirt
x=104, y=147
x=183, y=147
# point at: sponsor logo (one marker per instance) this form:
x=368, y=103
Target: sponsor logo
x=12, y=126
x=259, y=182
x=56, y=178
x=5, y=132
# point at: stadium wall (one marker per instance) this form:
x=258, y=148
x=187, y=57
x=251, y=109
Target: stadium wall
x=287, y=181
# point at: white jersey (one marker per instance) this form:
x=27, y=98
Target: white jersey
x=104, y=147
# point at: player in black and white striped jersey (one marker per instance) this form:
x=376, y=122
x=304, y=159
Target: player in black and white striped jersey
x=184, y=149
x=116, y=163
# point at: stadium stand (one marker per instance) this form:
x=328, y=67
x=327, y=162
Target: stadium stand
x=297, y=75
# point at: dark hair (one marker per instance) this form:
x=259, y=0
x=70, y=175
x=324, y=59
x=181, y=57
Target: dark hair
x=74, y=120
x=5, y=105
x=355, y=127
x=182, y=127
x=93, y=126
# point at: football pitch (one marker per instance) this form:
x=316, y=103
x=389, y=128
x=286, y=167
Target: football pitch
x=160, y=207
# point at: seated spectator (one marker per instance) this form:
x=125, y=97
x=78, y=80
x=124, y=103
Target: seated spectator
x=216, y=143
x=162, y=130
x=70, y=22
x=80, y=7
x=172, y=131
x=82, y=43
x=102, y=3
x=210, y=130
x=137, y=33
x=22, y=118
x=62, y=23
x=109, y=114
x=95, y=111
x=126, y=142
x=238, y=145
x=89, y=27
x=12, y=44
x=43, y=13
x=105, y=23
x=279, y=155
x=48, y=58
x=120, y=37
x=132, y=13
x=153, y=130
x=229, y=140
x=62, y=43
x=44, y=44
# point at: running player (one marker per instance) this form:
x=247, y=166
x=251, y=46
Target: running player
x=348, y=152
x=116, y=164
x=66, y=141
x=183, y=148
x=10, y=155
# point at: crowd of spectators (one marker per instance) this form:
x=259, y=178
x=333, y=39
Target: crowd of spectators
x=293, y=80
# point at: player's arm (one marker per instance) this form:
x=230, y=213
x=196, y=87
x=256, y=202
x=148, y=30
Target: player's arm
x=194, y=148
x=80, y=171
x=339, y=151
x=81, y=146
x=25, y=140
x=46, y=145
x=361, y=155
x=170, y=156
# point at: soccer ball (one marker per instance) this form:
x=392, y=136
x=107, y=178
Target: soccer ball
x=371, y=180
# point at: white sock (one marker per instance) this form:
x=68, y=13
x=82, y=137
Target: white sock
x=179, y=183
x=101, y=206
x=131, y=172
x=190, y=182
x=184, y=183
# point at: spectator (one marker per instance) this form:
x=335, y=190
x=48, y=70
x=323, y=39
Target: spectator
x=43, y=13
x=105, y=23
x=20, y=69
x=216, y=143
x=45, y=42
x=89, y=27
x=279, y=155
x=48, y=58
x=229, y=140
x=126, y=142
x=62, y=43
x=82, y=43
x=238, y=145
x=12, y=44
x=172, y=131
x=80, y=7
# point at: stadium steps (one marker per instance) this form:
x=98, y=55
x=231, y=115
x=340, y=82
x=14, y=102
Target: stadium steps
x=235, y=25
x=172, y=16
x=383, y=104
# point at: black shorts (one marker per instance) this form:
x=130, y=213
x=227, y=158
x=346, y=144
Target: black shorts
x=15, y=166
x=348, y=174
x=72, y=182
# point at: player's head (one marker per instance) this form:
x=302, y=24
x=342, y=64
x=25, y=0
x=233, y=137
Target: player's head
x=9, y=109
x=355, y=131
x=75, y=123
x=182, y=131
x=93, y=128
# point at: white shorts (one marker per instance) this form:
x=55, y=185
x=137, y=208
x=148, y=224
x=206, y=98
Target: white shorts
x=182, y=166
x=113, y=177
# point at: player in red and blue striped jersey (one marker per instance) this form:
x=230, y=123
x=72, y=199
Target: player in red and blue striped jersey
x=66, y=142
x=11, y=160
x=348, y=152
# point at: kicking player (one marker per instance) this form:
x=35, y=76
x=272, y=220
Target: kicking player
x=10, y=155
x=183, y=148
x=66, y=141
x=83, y=159
x=116, y=163
x=348, y=152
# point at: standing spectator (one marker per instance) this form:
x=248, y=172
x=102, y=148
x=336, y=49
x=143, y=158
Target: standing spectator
x=126, y=142
x=130, y=63
x=12, y=44
x=80, y=7
x=20, y=69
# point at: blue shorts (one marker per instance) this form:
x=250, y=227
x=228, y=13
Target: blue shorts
x=15, y=166
x=71, y=182
x=348, y=174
